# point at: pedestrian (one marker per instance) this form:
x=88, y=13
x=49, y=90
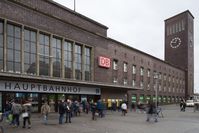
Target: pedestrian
x=16, y=111
x=61, y=111
x=182, y=105
x=45, y=110
x=26, y=114
x=93, y=110
x=68, y=111
x=124, y=108
x=151, y=112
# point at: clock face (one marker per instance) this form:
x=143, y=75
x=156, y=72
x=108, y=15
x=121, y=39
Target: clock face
x=175, y=42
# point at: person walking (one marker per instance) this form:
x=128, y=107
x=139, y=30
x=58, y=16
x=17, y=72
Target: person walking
x=26, y=114
x=16, y=111
x=93, y=110
x=124, y=108
x=151, y=112
x=61, y=111
x=68, y=111
x=45, y=110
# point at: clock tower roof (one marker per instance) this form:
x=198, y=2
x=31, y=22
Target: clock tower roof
x=187, y=11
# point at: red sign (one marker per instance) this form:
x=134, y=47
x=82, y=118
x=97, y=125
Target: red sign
x=104, y=62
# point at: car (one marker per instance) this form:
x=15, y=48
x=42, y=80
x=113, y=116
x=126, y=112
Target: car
x=189, y=103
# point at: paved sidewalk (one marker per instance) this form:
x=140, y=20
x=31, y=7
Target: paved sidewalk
x=174, y=121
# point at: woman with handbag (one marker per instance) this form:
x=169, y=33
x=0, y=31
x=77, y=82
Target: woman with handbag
x=26, y=114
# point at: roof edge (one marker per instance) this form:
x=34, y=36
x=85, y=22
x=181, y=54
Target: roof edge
x=187, y=11
x=76, y=13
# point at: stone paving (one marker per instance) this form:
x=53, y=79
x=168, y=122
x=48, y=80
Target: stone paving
x=174, y=121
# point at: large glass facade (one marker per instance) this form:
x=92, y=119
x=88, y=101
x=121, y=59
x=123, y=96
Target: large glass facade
x=56, y=53
x=44, y=46
x=78, y=62
x=68, y=59
x=29, y=52
x=87, y=64
x=1, y=46
x=13, y=48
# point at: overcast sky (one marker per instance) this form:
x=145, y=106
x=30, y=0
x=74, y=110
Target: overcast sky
x=139, y=23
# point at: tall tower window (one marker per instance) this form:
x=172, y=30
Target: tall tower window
x=1, y=46
x=13, y=48
x=30, y=52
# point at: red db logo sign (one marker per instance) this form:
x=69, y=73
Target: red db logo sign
x=104, y=62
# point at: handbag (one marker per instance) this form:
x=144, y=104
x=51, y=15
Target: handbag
x=25, y=115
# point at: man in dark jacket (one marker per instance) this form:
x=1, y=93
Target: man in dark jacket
x=61, y=111
x=151, y=111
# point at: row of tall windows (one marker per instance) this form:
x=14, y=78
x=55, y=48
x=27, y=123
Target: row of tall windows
x=176, y=27
x=156, y=76
x=49, y=52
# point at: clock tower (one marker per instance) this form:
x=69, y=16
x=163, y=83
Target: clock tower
x=179, y=46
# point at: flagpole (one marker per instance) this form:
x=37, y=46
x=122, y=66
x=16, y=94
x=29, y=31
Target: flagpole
x=74, y=5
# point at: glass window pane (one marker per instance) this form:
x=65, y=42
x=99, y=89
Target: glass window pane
x=10, y=55
x=17, y=32
x=1, y=53
x=10, y=43
x=1, y=40
x=27, y=35
x=33, y=58
x=26, y=58
x=33, y=48
x=10, y=30
x=1, y=27
x=59, y=53
x=33, y=36
x=41, y=39
x=41, y=49
x=17, y=44
x=46, y=50
x=17, y=56
x=17, y=67
x=54, y=43
x=47, y=40
x=59, y=44
x=26, y=46
x=9, y=66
